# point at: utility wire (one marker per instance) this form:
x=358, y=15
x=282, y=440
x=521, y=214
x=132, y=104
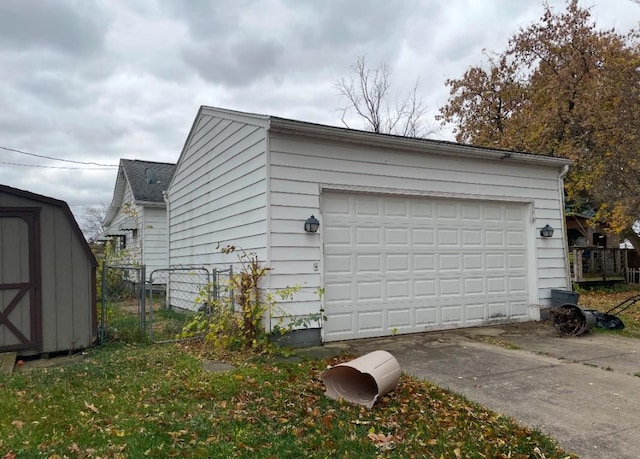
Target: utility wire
x=88, y=163
x=106, y=168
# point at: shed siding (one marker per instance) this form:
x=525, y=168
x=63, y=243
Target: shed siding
x=66, y=293
x=298, y=165
x=218, y=194
x=67, y=314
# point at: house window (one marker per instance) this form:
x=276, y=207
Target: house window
x=121, y=242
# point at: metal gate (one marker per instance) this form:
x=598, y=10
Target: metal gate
x=20, y=278
x=164, y=303
x=123, y=292
x=179, y=293
x=175, y=295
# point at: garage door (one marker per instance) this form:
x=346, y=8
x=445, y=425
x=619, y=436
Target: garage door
x=409, y=264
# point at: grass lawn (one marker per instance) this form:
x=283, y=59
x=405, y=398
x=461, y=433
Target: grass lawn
x=603, y=300
x=132, y=399
x=137, y=400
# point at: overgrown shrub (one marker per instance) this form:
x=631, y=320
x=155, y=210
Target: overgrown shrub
x=237, y=321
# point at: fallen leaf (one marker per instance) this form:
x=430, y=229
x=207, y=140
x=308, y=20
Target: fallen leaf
x=91, y=406
x=17, y=424
x=381, y=440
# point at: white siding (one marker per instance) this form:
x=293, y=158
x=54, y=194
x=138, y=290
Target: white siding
x=148, y=245
x=301, y=167
x=239, y=183
x=218, y=195
x=155, y=250
x=130, y=211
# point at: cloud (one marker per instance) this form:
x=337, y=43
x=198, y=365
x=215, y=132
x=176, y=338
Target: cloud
x=236, y=64
x=99, y=81
x=273, y=40
x=74, y=28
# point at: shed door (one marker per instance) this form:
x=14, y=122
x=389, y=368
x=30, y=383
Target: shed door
x=409, y=264
x=19, y=304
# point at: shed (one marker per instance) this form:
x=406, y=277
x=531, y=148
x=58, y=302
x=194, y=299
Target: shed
x=581, y=232
x=47, y=276
x=414, y=234
x=137, y=216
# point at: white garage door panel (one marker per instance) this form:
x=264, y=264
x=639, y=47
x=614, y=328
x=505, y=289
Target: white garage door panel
x=403, y=264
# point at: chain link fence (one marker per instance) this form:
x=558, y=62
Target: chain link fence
x=121, y=303
x=159, y=308
x=176, y=294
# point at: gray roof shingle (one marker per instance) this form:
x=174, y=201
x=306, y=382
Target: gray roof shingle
x=136, y=172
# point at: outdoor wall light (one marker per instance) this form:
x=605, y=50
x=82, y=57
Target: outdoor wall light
x=311, y=225
x=547, y=231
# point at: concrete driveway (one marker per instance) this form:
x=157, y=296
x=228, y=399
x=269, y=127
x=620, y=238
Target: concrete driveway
x=583, y=391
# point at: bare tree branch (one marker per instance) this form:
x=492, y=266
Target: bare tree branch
x=366, y=93
x=92, y=224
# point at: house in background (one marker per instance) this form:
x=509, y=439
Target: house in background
x=137, y=217
x=47, y=276
x=413, y=234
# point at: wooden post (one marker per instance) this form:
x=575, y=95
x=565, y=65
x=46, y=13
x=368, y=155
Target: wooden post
x=577, y=265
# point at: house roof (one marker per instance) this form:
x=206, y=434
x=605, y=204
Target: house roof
x=147, y=180
x=142, y=177
x=290, y=126
x=342, y=134
x=287, y=125
x=576, y=215
x=65, y=209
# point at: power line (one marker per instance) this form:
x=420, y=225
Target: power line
x=88, y=163
x=105, y=168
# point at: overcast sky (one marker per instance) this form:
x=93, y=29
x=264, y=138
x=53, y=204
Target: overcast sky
x=96, y=81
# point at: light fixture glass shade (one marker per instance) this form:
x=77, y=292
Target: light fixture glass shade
x=311, y=225
x=547, y=231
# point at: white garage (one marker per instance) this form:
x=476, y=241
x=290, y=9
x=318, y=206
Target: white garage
x=413, y=235
x=400, y=264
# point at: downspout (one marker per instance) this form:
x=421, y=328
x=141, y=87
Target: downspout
x=165, y=197
x=565, y=246
x=267, y=157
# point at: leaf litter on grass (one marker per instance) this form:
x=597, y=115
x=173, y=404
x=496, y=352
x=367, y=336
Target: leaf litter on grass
x=603, y=300
x=157, y=401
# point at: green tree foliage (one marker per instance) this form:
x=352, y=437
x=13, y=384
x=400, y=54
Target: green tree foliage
x=562, y=87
